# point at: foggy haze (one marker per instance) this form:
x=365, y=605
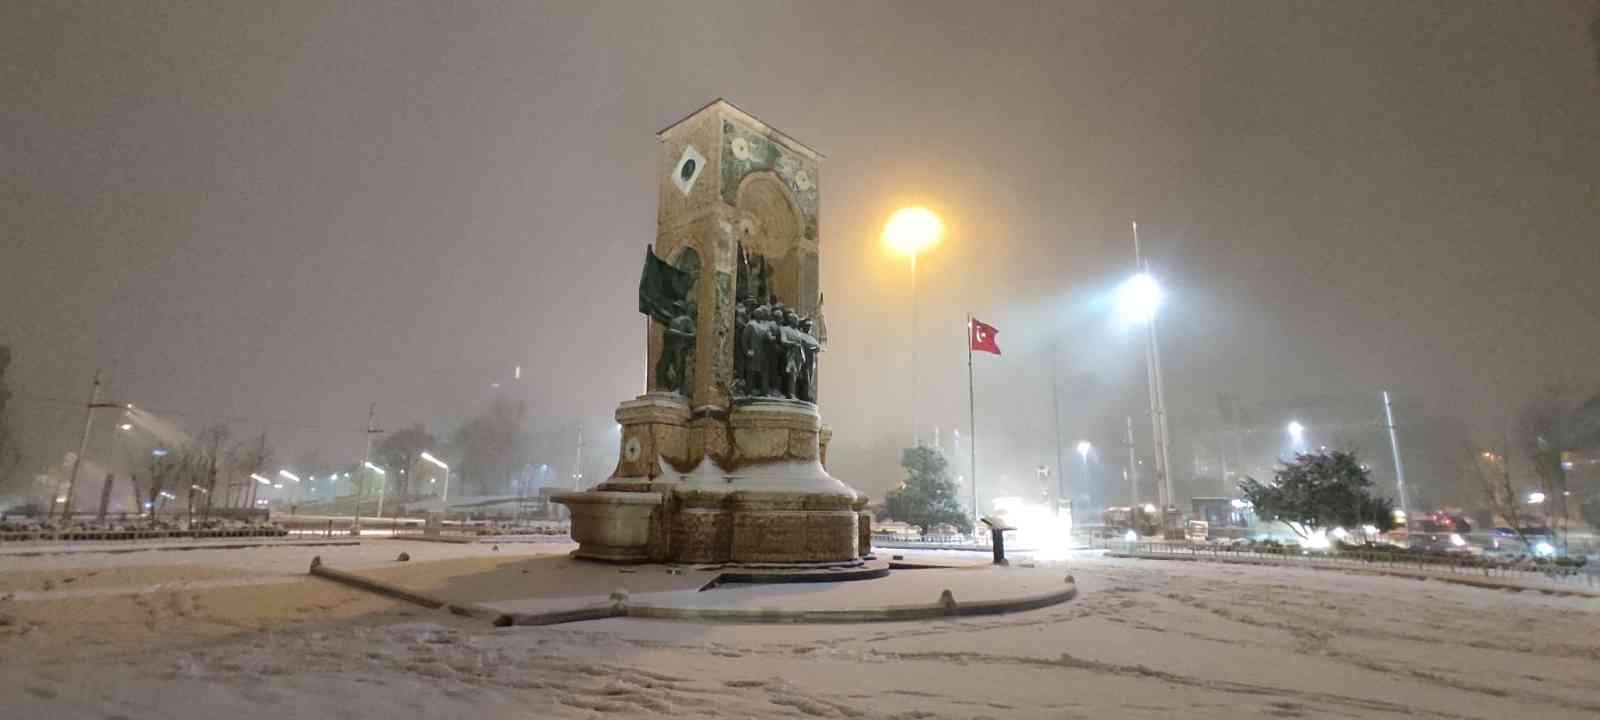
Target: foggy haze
x=273, y=217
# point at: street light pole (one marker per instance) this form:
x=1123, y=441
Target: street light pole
x=1055, y=404
x=1158, y=405
x=1133, y=467
x=1394, y=447
x=1083, y=452
x=910, y=231
x=916, y=434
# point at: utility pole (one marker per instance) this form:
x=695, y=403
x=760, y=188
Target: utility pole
x=366, y=458
x=83, y=447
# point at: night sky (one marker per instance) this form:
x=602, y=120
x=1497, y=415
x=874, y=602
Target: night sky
x=276, y=214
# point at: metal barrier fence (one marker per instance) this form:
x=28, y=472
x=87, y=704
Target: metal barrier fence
x=48, y=536
x=932, y=539
x=1566, y=575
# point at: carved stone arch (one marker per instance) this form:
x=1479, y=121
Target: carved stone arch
x=771, y=225
x=764, y=196
x=686, y=257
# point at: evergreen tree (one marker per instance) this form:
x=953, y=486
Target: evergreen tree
x=1317, y=491
x=927, y=497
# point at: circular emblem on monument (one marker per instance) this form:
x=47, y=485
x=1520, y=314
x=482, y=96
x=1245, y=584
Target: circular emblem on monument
x=631, y=449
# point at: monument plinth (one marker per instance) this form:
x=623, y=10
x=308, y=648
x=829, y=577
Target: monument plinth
x=722, y=459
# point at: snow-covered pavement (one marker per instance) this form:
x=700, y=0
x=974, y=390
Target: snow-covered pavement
x=1143, y=639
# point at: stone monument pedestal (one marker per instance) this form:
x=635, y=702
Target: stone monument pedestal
x=772, y=503
x=714, y=466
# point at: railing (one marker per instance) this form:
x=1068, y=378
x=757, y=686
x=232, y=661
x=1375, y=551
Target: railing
x=1446, y=564
x=931, y=539
x=12, y=537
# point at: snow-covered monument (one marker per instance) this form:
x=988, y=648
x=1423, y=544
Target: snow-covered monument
x=722, y=459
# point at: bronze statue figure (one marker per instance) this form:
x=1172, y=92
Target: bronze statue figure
x=664, y=292
x=675, y=367
x=794, y=354
x=757, y=341
x=807, y=386
x=741, y=318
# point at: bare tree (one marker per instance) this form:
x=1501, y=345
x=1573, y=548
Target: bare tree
x=1543, y=431
x=165, y=472
x=208, y=450
x=399, y=452
x=10, y=453
x=246, y=458
x=1493, y=472
x=493, y=445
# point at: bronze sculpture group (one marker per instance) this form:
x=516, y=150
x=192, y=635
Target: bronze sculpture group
x=774, y=348
x=774, y=352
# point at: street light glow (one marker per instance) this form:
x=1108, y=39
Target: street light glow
x=1535, y=497
x=912, y=230
x=374, y=468
x=1084, y=447
x=430, y=458
x=125, y=426
x=260, y=479
x=1139, y=298
x=1296, y=430
x=285, y=474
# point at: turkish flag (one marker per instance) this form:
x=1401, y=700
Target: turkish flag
x=981, y=337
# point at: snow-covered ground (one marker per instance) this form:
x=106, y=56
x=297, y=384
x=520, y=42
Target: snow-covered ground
x=244, y=634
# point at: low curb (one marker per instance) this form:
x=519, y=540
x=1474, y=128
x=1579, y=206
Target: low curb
x=484, y=539
x=1488, y=584
x=437, y=539
x=477, y=612
x=759, y=576
x=58, y=550
x=946, y=608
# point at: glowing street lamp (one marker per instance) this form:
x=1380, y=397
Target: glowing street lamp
x=1297, y=432
x=285, y=474
x=909, y=232
x=445, y=496
x=912, y=230
x=1139, y=298
x=1083, y=449
x=1535, y=497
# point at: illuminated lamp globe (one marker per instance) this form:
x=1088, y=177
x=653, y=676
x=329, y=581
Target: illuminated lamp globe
x=912, y=230
x=1139, y=298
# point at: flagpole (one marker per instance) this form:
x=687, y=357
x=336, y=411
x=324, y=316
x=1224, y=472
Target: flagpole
x=972, y=422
